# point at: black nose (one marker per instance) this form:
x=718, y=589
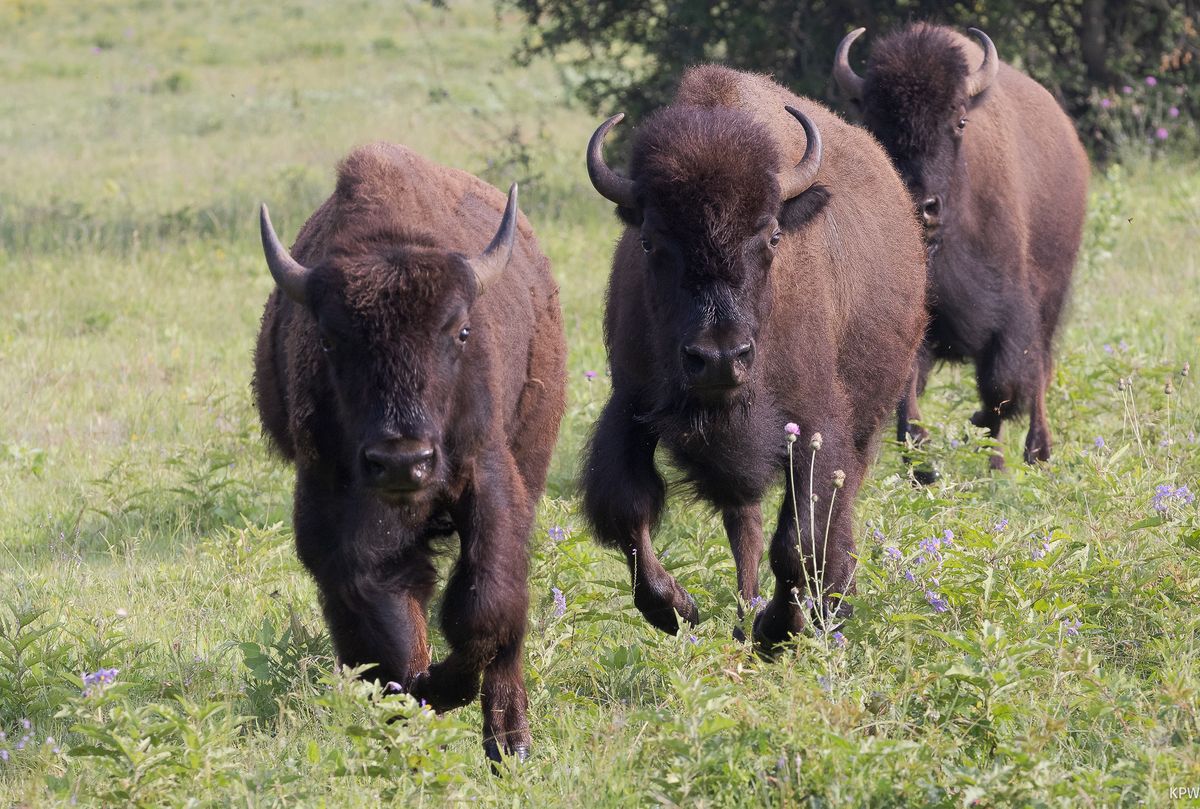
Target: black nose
x=931, y=209
x=709, y=364
x=398, y=464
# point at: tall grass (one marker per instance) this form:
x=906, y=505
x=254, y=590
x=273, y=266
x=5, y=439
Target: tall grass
x=1026, y=638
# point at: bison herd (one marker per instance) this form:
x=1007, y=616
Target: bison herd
x=784, y=281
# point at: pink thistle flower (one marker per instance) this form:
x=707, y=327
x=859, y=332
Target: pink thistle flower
x=1161, y=133
x=1151, y=81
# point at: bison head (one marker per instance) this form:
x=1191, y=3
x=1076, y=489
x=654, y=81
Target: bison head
x=710, y=208
x=916, y=99
x=393, y=320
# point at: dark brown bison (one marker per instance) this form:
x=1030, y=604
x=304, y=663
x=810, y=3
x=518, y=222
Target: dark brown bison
x=415, y=375
x=767, y=274
x=999, y=179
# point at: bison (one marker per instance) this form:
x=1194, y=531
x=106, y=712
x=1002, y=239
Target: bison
x=769, y=273
x=999, y=179
x=414, y=373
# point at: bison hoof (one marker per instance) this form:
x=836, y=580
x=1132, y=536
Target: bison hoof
x=660, y=603
x=996, y=462
x=775, y=625
x=925, y=475
x=497, y=755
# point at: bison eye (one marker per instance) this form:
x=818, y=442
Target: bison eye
x=646, y=246
x=326, y=343
x=464, y=333
x=962, y=124
x=776, y=236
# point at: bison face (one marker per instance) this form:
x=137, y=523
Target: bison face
x=707, y=301
x=916, y=99
x=393, y=331
x=393, y=326
x=709, y=209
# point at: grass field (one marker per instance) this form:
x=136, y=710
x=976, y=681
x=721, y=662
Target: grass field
x=1048, y=655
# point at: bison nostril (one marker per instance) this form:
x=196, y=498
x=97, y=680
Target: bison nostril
x=695, y=359
x=931, y=207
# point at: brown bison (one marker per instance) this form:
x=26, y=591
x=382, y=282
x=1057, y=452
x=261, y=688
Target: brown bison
x=767, y=274
x=415, y=375
x=999, y=179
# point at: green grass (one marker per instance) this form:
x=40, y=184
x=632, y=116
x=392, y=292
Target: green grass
x=144, y=527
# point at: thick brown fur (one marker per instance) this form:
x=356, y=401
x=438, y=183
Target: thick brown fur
x=1011, y=186
x=834, y=314
x=376, y=351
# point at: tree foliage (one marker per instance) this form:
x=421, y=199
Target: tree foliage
x=627, y=54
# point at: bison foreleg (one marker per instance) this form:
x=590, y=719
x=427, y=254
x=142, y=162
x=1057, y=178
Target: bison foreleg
x=623, y=496
x=813, y=546
x=485, y=606
x=744, y=527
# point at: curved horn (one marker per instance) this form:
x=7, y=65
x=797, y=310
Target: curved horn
x=850, y=82
x=983, y=76
x=795, y=182
x=612, y=186
x=495, y=257
x=289, y=274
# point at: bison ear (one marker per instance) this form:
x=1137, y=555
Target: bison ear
x=799, y=211
x=495, y=257
x=290, y=275
x=630, y=217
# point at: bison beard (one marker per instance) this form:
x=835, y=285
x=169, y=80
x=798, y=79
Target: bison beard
x=999, y=178
x=769, y=247
x=418, y=392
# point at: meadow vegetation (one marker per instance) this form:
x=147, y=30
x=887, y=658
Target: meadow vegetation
x=1025, y=638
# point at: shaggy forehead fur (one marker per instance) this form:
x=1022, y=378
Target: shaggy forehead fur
x=915, y=81
x=401, y=291
x=712, y=171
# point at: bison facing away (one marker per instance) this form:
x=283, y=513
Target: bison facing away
x=770, y=272
x=999, y=180
x=414, y=373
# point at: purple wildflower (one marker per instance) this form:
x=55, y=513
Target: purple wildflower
x=560, y=602
x=1000, y=526
x=25, y=723
x=1165, y=493
x=590, y=375
x=100, y=677
x=839, y=639
x=1099, y=442
x=947, y=537
x=791, y=428
x=1151, y=81
x=894, y=553
x=908, y=575
x=1106, y=103
x=1108, y=349
x=878, y=535
x=557, y=533
x=757, y=603
x=1126, y=89
x=809, y=604
x=939, y=604
x=1123, y=346
x=21, y=742
x=692, y=639
x=1161, y=133
x=3, y=755
x=1072, y=627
